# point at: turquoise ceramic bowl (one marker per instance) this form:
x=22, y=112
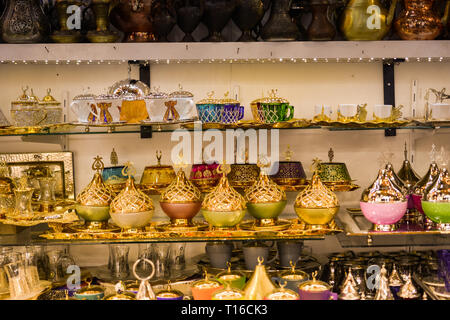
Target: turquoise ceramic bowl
x=269, y=210
x=90, y=293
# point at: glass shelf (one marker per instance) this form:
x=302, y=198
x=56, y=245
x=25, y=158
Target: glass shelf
x=357, y=233
x=69, y=129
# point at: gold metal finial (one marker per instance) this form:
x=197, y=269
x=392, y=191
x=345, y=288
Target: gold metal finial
x=129, y=170
x=293, y=265
x=169, y=285
x=158, y=156
x=260, y=260
x=180, y=164
x=210, y=94
x=89, y=281
x=405, y=152
x=288, y=153
x=263, y=161
x=114, y=158
x=314, y=275
x=283, y=284
x=226, y=94
x=229, y=266
x=331, y=154
x=98, y=164
x=224, y=168
x=315, y=166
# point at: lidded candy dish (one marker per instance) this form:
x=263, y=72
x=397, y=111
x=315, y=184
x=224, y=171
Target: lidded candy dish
x=53, y=109
x=113, y=176
x=94, y=201
x=205, y=176
x=204, y=289
x=90, y=292
x=383, y=203
x=266, y=201
x=156, y=178
x=26, y=111
x=335, y=175
x=316, y=205
x=316, y=290
x=224, y=207
x=169, y=294
x=293, y=277
x=243, y=175
x=185, y=105
x=282, y=293
x=131, y=209
x=234, y=278
x=121, y=293
x=290, y=173
x=228, y=293
x=272, y=109
x=161, y=107
x=232, y=111
x=181, y=201
x=209, y=109
x=436, y=200
x=260, y=284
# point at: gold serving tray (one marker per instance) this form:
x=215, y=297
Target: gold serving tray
x=251, y=124
x=363, y=124
x=12, y=130
x=64, y=213
x=155, y=233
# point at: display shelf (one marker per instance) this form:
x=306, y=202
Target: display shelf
x=357, y=233
x=317, y=51
x=134, y=128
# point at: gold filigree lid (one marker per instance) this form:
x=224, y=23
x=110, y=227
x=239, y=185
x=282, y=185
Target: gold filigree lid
x=209, y=100
x=26, y=99
x=271, y=98
x=314, y=285
x=293, y=274
x=383, y=190
x=49, y=100
x=264, y=190
x=316, y=195
x=394, y=279
x=408, y=290
x=282, y=293
x=427, y=179
x=223, y=197
x=96, y=193
x=227, y=100
x=169, y=292
x=158, y=165
x=130, y=199
x=181, y=190
x=439, y=190
x=229, y=293
x=181, y=93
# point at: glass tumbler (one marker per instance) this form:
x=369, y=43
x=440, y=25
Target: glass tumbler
x=160, y=258
x=23, y=202
x=31, y=269
x=120, y=268
x=19, y=287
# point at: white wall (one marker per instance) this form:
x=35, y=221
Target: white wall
x=304, y=85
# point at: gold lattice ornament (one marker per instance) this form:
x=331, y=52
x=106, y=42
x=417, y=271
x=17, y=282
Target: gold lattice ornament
x=224, y=197
x=264, y=189
x=181, y=190
x=96, y=193
x=130, y=199
x=316, y=195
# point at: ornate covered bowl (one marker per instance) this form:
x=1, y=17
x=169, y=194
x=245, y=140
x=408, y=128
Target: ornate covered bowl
x=243, y=175
x=316, y=290
x=272, y=109
x=181, y=200
x=209, y=109
x=132, y=208
x=93, y=202
x=383, y=203
x=293, y=277
x=53, y=109
x=156, y=178
x=265, y=199
x=235, y=279
x=185, y=105
x=160, y=107
x=232, y=111
x=289, y=172
x=436, y=201
x=113, y=176
x=205, y=288
x=169, y=294
x=333, y=173
x=90, y=292
x=224, y=207
x=228, y=293
x=205, y=176
x=316, y=205
x=282, y=293
x=420, y=187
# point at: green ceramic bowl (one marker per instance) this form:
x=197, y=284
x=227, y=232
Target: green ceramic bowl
x=90, y=213
x=269, y=210
x=438, y=212
x=227, y=219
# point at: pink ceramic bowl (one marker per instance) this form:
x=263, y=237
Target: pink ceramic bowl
x=384, y=213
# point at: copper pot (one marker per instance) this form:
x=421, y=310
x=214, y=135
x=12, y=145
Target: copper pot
x=419, y=21
x=133, y=18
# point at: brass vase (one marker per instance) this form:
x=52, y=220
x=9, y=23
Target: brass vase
x=419, y=22
x=189, y=16
x=102, y=33
x=247, y=15
x=24, y=21
x=64, y=35
x=280, y=26
x=366, y=20
x=321, y=28
x=133, y=18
